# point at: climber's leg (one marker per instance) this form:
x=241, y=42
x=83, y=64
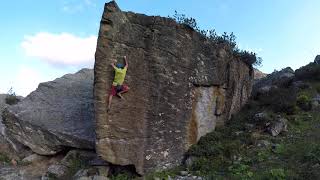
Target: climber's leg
x=112, y=93
x=124, y=89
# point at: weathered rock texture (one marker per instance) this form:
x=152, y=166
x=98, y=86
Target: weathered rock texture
x=182, y=86
x=58, y=114
x=8, y=145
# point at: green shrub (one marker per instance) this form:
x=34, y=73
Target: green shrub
x=313, y=154
x=76, y=164
x=304, y=102
x=247, y=57
x=278, y=174
x=4, y=158
x=241, y=171
x=120, y=177
x=11, y=98
x=279, y=149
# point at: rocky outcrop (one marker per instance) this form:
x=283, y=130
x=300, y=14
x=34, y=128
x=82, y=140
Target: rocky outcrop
x=57, y=115
x=9, y=146
x=274, y=80
x=258, y=74
x=317, y=59
x=182, y=87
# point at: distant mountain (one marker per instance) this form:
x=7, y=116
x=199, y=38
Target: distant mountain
x=258, y=74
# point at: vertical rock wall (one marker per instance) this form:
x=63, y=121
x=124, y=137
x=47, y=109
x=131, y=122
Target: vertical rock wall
x=182, y=86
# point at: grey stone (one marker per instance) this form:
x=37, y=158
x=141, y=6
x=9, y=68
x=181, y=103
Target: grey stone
x=315, y=105
x=58, y=170
x=280, y=125
x=33, y=158
x=182, y=87
x=57, y=115
x=189, y=161
x=81, y=174
x=188, y=178
x=184, y=173
x=11, y=173
x=96, y=177
x=103, y=170
x=263, y=143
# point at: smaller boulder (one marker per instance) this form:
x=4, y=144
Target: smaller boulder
x=263, y=143
x=189, y=161
x=184, y=173
x=280, y=125
x=58, y=171
x=315, y=102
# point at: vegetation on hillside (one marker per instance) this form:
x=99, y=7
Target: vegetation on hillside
x=11, y=98
x=249, y=58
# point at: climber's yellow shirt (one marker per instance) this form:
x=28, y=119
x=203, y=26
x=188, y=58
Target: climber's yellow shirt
x=119, y=76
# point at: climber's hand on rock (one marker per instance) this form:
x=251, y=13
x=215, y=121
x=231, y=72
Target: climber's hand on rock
x=114, y=61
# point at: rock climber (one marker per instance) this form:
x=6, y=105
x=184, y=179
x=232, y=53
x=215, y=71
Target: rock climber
x=118, y=88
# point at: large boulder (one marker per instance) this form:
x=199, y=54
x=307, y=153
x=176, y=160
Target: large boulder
x=57, y=115
x=182, y=87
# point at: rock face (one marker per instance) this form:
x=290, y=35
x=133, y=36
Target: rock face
x=182, y=86
x=58, y=114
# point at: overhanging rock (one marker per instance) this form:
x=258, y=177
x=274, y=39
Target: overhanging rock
x=182, y=87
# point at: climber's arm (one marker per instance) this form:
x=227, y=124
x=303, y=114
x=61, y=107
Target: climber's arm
x=126, y=61
x=113, y=64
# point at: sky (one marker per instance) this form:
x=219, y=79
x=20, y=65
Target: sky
x=41, y=40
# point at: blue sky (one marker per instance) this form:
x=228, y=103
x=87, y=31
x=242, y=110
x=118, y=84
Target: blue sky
x=42, y=40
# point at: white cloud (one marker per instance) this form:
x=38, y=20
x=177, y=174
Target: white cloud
x=248, y=48
x=26, y=80
x=74, y=6
x=60, y=49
